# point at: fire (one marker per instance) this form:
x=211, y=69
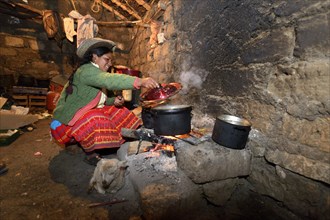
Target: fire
x=166, y=147
x=170, y=137
x=158, y=146
x=158, y=149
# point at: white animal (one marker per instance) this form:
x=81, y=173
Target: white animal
x=109, y=176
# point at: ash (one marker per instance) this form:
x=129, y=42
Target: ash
x=163, y=163
x=154, y=160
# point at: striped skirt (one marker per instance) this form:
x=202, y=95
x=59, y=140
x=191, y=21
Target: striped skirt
x=98, y=128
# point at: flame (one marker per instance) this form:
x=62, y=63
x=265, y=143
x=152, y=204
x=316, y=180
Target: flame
x=171, y=137
x=157, y=147
x=163, y=147
x=182, y=136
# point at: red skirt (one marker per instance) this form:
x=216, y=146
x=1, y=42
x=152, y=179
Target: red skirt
x=98, y=128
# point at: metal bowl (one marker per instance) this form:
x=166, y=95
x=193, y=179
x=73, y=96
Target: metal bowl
x=164, y=92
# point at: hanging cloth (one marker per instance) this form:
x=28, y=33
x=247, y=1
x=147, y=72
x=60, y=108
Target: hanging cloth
x=86, y=28
x=69, y=28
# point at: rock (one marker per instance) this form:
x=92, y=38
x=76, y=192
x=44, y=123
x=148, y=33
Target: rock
x=14, y=41
x=218, y=192
x=257, y=143
x=209, y=161
x=299, y=164
x=163, y=193
x=270, y=46
x=312, y=36
x=307, y=198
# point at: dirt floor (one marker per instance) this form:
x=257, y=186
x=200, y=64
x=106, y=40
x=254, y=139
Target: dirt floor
x=45, y=181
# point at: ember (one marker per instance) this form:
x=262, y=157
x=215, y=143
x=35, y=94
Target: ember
x=166, y=149
x=162, y=144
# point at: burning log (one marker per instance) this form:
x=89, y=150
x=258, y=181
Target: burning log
x=159, y=142
x=146, y=135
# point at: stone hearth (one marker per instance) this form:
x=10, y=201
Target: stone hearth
x=199, y=181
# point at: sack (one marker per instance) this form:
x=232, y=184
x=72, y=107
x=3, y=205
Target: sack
x=52, y=22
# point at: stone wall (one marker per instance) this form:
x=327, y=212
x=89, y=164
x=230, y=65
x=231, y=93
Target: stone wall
x=25, y=49
x=264, y=61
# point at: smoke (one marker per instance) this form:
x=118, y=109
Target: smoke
x=192, y=78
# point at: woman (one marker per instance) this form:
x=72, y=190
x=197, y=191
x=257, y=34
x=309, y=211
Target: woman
x=84, y=113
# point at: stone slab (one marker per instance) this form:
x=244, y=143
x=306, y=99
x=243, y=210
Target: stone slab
x=209, y=161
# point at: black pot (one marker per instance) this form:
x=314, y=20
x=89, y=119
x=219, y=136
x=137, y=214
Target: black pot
x=147, y=118
x=231, y=131
x=172, y=119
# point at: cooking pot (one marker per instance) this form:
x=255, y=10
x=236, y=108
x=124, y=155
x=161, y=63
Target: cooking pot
x=231, y=131
x=147, y=118
x=171, y=119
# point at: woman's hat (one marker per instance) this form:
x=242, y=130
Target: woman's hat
x=92, y=43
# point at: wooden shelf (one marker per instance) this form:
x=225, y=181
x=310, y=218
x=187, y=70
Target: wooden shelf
x=22, y=100
x=30, y=100
x=37, y=100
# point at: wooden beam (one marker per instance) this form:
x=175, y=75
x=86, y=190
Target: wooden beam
x=18, y=14
x=124, y=7
x=144, y=4
x=122, y=23
x=113, y=10
x=30, y=8
x=156, y=11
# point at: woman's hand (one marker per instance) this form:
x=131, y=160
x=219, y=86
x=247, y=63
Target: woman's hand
x=119, y=101
x=149, y=83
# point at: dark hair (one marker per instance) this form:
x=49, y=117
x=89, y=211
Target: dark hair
x=99, y=51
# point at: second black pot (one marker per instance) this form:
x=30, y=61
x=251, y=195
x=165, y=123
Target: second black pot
x=231, y=131
x=172, y=120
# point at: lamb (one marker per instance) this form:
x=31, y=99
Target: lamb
x=109, y=176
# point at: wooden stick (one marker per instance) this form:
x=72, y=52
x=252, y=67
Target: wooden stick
x=129, y=133
x=30, y=8
x=21, y=15
x=144, y=4
x=113, y=10
x=126, y=9
x=106, y=203
x=155, y=12
x=122, y=23
x=73, y=5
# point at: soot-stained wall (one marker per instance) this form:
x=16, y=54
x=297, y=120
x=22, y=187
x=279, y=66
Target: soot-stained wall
x=268, y=62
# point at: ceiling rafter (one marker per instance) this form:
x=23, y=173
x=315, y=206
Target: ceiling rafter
x=144, y=4
x=111, y=9
x=124, y=7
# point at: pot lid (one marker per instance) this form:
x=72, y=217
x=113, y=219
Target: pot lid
x=165, y=91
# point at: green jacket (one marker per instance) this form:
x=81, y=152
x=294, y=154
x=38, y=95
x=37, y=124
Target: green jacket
x=87, y=83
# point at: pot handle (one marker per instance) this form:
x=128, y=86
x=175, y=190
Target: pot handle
x=242, y=129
